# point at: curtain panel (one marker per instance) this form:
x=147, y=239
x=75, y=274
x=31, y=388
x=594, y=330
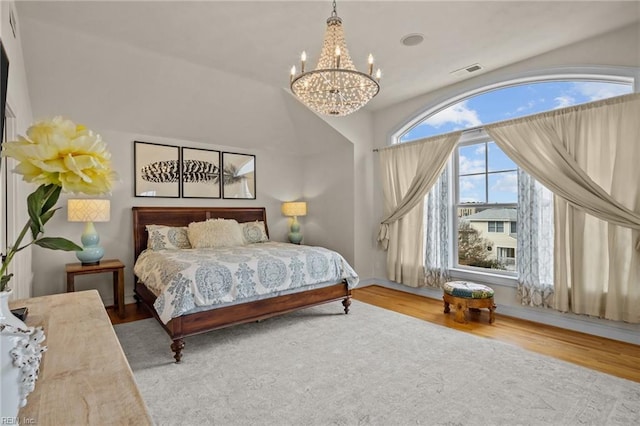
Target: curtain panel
x=436, y=224
x=408, y=172
x=588, y=156
x=535, y=235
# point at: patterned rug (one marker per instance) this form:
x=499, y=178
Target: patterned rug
x=371, y=367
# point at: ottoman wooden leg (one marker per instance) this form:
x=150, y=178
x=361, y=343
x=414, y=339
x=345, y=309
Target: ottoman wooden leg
x=460, y=308
x=446, y=307
x=492, y=316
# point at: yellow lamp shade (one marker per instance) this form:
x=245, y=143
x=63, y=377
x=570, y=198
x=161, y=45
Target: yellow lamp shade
x=297, y=208
x=84, y=210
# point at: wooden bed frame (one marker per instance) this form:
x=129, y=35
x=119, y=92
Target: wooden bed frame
x=201, y=322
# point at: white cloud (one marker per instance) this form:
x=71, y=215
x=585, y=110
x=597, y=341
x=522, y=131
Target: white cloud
x=471, y=189
x=526, y=107
x=481, y=149
x=458, y=114
x=600, y=90
x=471, y=166
x=506, y=183
x=564, y=101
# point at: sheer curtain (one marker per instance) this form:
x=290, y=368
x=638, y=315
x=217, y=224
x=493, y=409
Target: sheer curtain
x=535, y=242
x=588, y=156
x=436, y=229
x=408, y=171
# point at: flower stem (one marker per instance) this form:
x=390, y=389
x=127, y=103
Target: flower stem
x=16, y=246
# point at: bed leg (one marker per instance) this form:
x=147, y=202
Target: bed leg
x=346, y=303
x=177, y=346
x=137, y=299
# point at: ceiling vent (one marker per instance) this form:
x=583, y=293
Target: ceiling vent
x=467, y=70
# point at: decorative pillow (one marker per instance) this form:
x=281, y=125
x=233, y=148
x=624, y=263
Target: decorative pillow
x=254, y=232
x=215, y=233
x=167, y=237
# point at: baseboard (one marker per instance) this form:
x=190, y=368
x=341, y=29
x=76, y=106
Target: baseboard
x=624, y=332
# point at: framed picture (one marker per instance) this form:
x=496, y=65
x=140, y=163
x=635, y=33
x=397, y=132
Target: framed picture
x=157, y=170
x=200, y=173
x=238, y=176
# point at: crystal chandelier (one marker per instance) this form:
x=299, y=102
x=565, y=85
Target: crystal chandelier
x=335, y=87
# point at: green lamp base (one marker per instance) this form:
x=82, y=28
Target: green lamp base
x=295, y=236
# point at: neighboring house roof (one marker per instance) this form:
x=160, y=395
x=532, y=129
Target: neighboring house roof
x=498, y=215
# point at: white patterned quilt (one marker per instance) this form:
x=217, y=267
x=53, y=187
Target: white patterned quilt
x=187, y=279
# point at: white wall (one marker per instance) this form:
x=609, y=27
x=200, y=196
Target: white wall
x=358, y=129
x=19, y=104
x=111, y=85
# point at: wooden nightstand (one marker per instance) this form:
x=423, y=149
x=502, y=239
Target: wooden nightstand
x=110, y=265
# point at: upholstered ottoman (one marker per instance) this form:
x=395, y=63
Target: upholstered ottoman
x=467, y=295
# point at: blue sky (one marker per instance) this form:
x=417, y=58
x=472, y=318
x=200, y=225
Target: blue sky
x=512, y=102
x=499, y=105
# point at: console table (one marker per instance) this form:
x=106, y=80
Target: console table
x=84, y=376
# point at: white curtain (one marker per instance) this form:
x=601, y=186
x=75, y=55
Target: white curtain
x=408, y=171
x=588, y=156
x=436, y=229
x=535, y=242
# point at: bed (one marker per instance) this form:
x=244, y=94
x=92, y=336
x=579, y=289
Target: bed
x=203, y=319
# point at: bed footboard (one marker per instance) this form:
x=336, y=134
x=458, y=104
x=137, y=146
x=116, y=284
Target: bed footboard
x=201, y=322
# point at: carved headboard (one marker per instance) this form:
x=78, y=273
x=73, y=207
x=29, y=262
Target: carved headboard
x=183, y=216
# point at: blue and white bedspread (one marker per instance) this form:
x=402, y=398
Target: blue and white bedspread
x=184, y=280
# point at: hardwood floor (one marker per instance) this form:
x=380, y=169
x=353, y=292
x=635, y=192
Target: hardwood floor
x=132, y=312
x=605, y=355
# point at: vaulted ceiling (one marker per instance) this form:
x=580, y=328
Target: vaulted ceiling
x=260, y=40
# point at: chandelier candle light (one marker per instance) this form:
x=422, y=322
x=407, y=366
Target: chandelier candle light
x=335, y=87
x=295, y=209
x=89, y=211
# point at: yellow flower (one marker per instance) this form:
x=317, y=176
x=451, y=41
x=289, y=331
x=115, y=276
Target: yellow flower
x=58, y=155
x=64, y=154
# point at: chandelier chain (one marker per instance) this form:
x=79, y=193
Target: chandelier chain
x=335, y=12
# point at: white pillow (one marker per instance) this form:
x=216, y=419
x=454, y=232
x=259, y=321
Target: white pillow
x=254, y=232
x=167, y=237
x=215, y=233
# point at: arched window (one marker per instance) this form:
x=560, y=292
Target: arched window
x=483, y=185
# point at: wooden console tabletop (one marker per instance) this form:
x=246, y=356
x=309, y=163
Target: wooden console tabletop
x=84, y=376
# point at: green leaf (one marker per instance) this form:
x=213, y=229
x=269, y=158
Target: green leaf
x=56, y=243
x=48, y=215
x=34, y=203
x=53, y=198
x=4, y=280
x=34, y=229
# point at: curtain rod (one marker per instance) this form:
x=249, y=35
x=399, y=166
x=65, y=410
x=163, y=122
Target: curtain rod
x=469, y=130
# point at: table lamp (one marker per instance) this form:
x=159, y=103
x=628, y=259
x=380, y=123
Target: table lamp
x=295, y=209
x=89, y=211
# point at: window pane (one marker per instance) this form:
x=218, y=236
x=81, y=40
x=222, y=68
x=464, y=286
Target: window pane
x=498, y=160
x=503, y=188
x=513, y=228
x=472, y=189
x=471, y=159
x=482, y=241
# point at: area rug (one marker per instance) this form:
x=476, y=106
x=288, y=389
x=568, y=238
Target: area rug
x=371, y=367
